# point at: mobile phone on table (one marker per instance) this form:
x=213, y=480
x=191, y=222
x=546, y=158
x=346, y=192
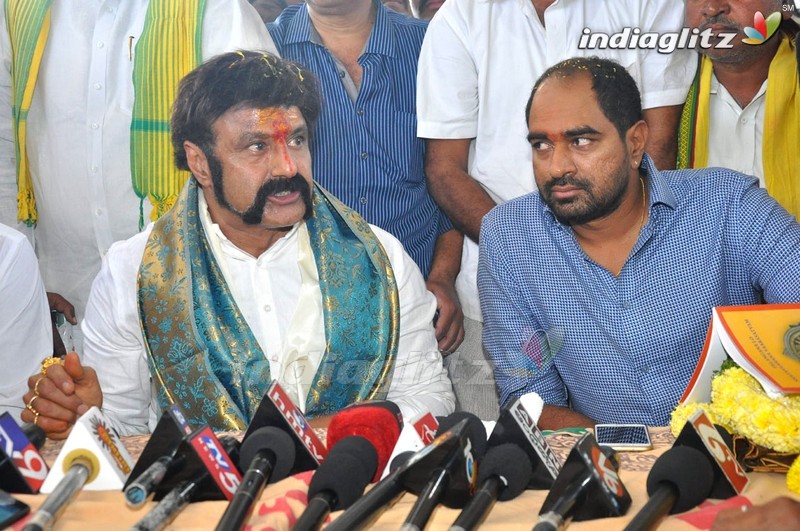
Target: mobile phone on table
x=11, y=509
x=623, y=437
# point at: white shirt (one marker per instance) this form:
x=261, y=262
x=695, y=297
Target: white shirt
x=478, y=64
x=262, y=285
x=735, y=140
x=25, y=329
x=79, y=129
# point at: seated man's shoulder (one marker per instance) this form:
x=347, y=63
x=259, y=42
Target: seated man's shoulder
x=708, y=183
x=524, y=210
x=128, y=252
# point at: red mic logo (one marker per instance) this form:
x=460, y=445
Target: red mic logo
x=22, y=452
x=216, y=461
x=607, y=473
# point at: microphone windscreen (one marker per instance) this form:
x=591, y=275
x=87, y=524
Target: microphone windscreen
x=475, y=429
x=400, y=459
x=688, y=471
x=346, y=471
x=509, y=462
x=376, y=423
x=273, y=440
x=35, y=434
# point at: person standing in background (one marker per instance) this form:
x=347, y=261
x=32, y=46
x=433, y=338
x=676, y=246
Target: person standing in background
x=366, y=149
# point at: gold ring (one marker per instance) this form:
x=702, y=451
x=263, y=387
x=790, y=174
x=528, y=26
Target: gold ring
x=48, y=362
x=36, y=419
x=29, y=405
x=36, y=385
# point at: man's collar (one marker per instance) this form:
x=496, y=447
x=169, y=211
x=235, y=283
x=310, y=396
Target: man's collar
x=659, y=190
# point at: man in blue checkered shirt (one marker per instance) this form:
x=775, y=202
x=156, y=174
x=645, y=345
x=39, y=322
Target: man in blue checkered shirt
x=597, y=291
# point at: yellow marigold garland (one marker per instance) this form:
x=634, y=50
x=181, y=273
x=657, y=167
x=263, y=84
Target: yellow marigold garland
x=740, y=404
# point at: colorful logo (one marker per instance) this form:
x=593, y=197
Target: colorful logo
x=762, y=28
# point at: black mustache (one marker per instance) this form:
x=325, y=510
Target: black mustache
x=297, y=183
x=566, y=181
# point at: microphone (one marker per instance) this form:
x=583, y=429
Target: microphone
x=517, y=425
x=22, y=469
x=379, y=422
x=681, y=478
x=339, y=481
x=459, y=460
x=503, y=474
x=406, y=467
x=269, y=455
x=138, y=492
x=80, y=467
x=164, y=456
x=587, y=487
x=179, y=497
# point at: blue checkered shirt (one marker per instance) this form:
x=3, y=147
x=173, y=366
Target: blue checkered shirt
x=366, y=152
x=622, y=349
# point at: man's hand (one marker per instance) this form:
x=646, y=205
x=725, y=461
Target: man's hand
x=780, y=513
x=61, y=396
x=450, y=320
x=60, y=304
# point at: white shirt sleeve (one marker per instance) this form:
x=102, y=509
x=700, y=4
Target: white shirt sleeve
x=446, y=61
x=233, y=25
x=419, y=383
x=113, y=342
x=24, y=319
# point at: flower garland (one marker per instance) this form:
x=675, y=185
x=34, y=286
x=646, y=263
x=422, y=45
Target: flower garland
x=739, y=403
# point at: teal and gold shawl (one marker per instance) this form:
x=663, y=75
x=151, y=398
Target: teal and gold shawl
x=204, y=357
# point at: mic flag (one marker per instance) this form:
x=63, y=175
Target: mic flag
x=22, y=469
x=278, y=410
x=515, y=425
x=92, y=433
x=587, y=487
x=729, y=476
x=160, y=457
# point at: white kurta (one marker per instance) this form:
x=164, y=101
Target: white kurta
x=25, y=328
x=736, y=138
x=79, y=129
x=267, y=290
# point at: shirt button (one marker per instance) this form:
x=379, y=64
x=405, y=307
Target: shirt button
x=267, y=307
x=360, y=112
x=95, y=125
x=98, y=212
x=744, y=120
x=341, y=74
x=364, y=155
x=626, y=305
x=363, y=200
x=94, y=169
x=98, y=86
x=100, y=44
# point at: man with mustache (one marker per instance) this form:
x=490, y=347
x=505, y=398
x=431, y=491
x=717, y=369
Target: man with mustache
x=743, y=110
x=597, y=290
x=256, y=274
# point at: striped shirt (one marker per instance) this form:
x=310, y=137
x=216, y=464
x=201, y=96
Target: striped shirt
x=365, y=149
x=622, y=349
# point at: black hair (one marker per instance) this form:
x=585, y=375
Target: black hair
x=234, y=80
x=615, y=89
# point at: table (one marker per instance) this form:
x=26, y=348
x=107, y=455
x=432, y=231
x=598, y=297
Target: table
x=107, y=510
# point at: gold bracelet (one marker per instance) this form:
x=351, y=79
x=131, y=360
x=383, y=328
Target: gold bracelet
x=48, y=362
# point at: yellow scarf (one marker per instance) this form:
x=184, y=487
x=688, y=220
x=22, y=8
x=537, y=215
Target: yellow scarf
x=168, y=48
x=781, y=142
